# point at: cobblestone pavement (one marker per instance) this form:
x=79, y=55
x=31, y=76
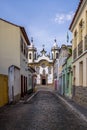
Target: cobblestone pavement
x=43, y=112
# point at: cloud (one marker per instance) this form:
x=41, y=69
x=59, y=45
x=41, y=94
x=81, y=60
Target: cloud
x=62, y=18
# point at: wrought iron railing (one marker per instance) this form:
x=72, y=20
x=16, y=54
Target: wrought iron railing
x=80, y=48
x=75, y=53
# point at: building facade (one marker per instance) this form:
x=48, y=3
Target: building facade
x=14, y=51
x=43, y=63
x=64, y=53
x=67, y=77
x=78, y=28
x=55, y=74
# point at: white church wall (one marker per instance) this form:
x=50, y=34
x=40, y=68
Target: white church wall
x=50, y=79
x=38, y=79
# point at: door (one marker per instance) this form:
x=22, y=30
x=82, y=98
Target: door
x=22, y=94
x=43, y=81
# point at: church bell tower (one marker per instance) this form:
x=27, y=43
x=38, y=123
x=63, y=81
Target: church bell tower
x=55, y=50
x=32, y=52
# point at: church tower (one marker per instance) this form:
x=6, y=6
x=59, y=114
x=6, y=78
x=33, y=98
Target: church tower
x=55, y=50
x=32, y=52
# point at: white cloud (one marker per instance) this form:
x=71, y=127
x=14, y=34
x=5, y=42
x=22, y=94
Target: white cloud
x=62, y=18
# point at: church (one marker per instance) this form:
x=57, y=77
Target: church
x=43, y=63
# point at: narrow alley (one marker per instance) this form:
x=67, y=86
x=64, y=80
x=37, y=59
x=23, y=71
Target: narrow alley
x=43, y=112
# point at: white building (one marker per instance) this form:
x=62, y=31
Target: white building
x=43, y=63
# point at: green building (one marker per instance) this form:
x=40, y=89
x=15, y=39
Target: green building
x=67, y=77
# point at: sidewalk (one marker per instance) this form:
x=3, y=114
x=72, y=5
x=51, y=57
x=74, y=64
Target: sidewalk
x=79, y=111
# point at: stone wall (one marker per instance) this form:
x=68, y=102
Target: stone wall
x=80, y=95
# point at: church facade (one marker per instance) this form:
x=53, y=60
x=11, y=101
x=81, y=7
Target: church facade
x=43, y=63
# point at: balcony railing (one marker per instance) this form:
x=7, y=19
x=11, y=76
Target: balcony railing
x=85, y=42
x=80, y=48
x=75, y=53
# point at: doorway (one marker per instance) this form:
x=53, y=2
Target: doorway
x=43, y=81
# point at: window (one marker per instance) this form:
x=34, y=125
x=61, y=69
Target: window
x=30, y=56
x=80, y=30
x=21, y=42
x=24, y=49
x=37, y=70
x=44, y=72
x=26, y=52
x=43, y=65
x=56, y=55
x=74, y=80
x=49, y=70
x=35, y=56
x=52, y=55
x=75, y=39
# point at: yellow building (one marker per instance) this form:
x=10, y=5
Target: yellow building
x=14, y=51
x=78, y=28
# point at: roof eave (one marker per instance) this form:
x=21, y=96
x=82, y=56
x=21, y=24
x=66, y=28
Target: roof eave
x=25, y=35
x=70, y=27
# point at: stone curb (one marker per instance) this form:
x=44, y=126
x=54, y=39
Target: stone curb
x=31, y=97
x=73, y=109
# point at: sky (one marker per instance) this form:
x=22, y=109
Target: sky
x=44, y=20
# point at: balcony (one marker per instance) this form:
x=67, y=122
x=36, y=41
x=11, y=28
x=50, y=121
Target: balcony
x=85, y=43
x=75, y=53
x=80, y=48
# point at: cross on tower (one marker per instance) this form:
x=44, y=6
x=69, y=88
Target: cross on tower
x=55, y=39
x=43, y=45
x=32, y=39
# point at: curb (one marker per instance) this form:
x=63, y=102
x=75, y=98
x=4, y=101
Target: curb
x=73, y=109
x=31, y=97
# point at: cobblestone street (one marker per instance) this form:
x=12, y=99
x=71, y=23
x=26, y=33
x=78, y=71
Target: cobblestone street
x=43, y=112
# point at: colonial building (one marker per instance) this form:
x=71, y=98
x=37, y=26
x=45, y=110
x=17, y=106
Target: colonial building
x=64, y=53
x=67, y=77
x=56, y=74
x=78, y=28
x=43, y=63
x=13, y=58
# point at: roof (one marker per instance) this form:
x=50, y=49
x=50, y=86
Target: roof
x=76, y=13
x=21, y=28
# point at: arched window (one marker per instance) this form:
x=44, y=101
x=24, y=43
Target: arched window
x=30, y=56
x=57, y=55
x=43, y=65
x=52, y=55
x=44, y=72
x=35, y=56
